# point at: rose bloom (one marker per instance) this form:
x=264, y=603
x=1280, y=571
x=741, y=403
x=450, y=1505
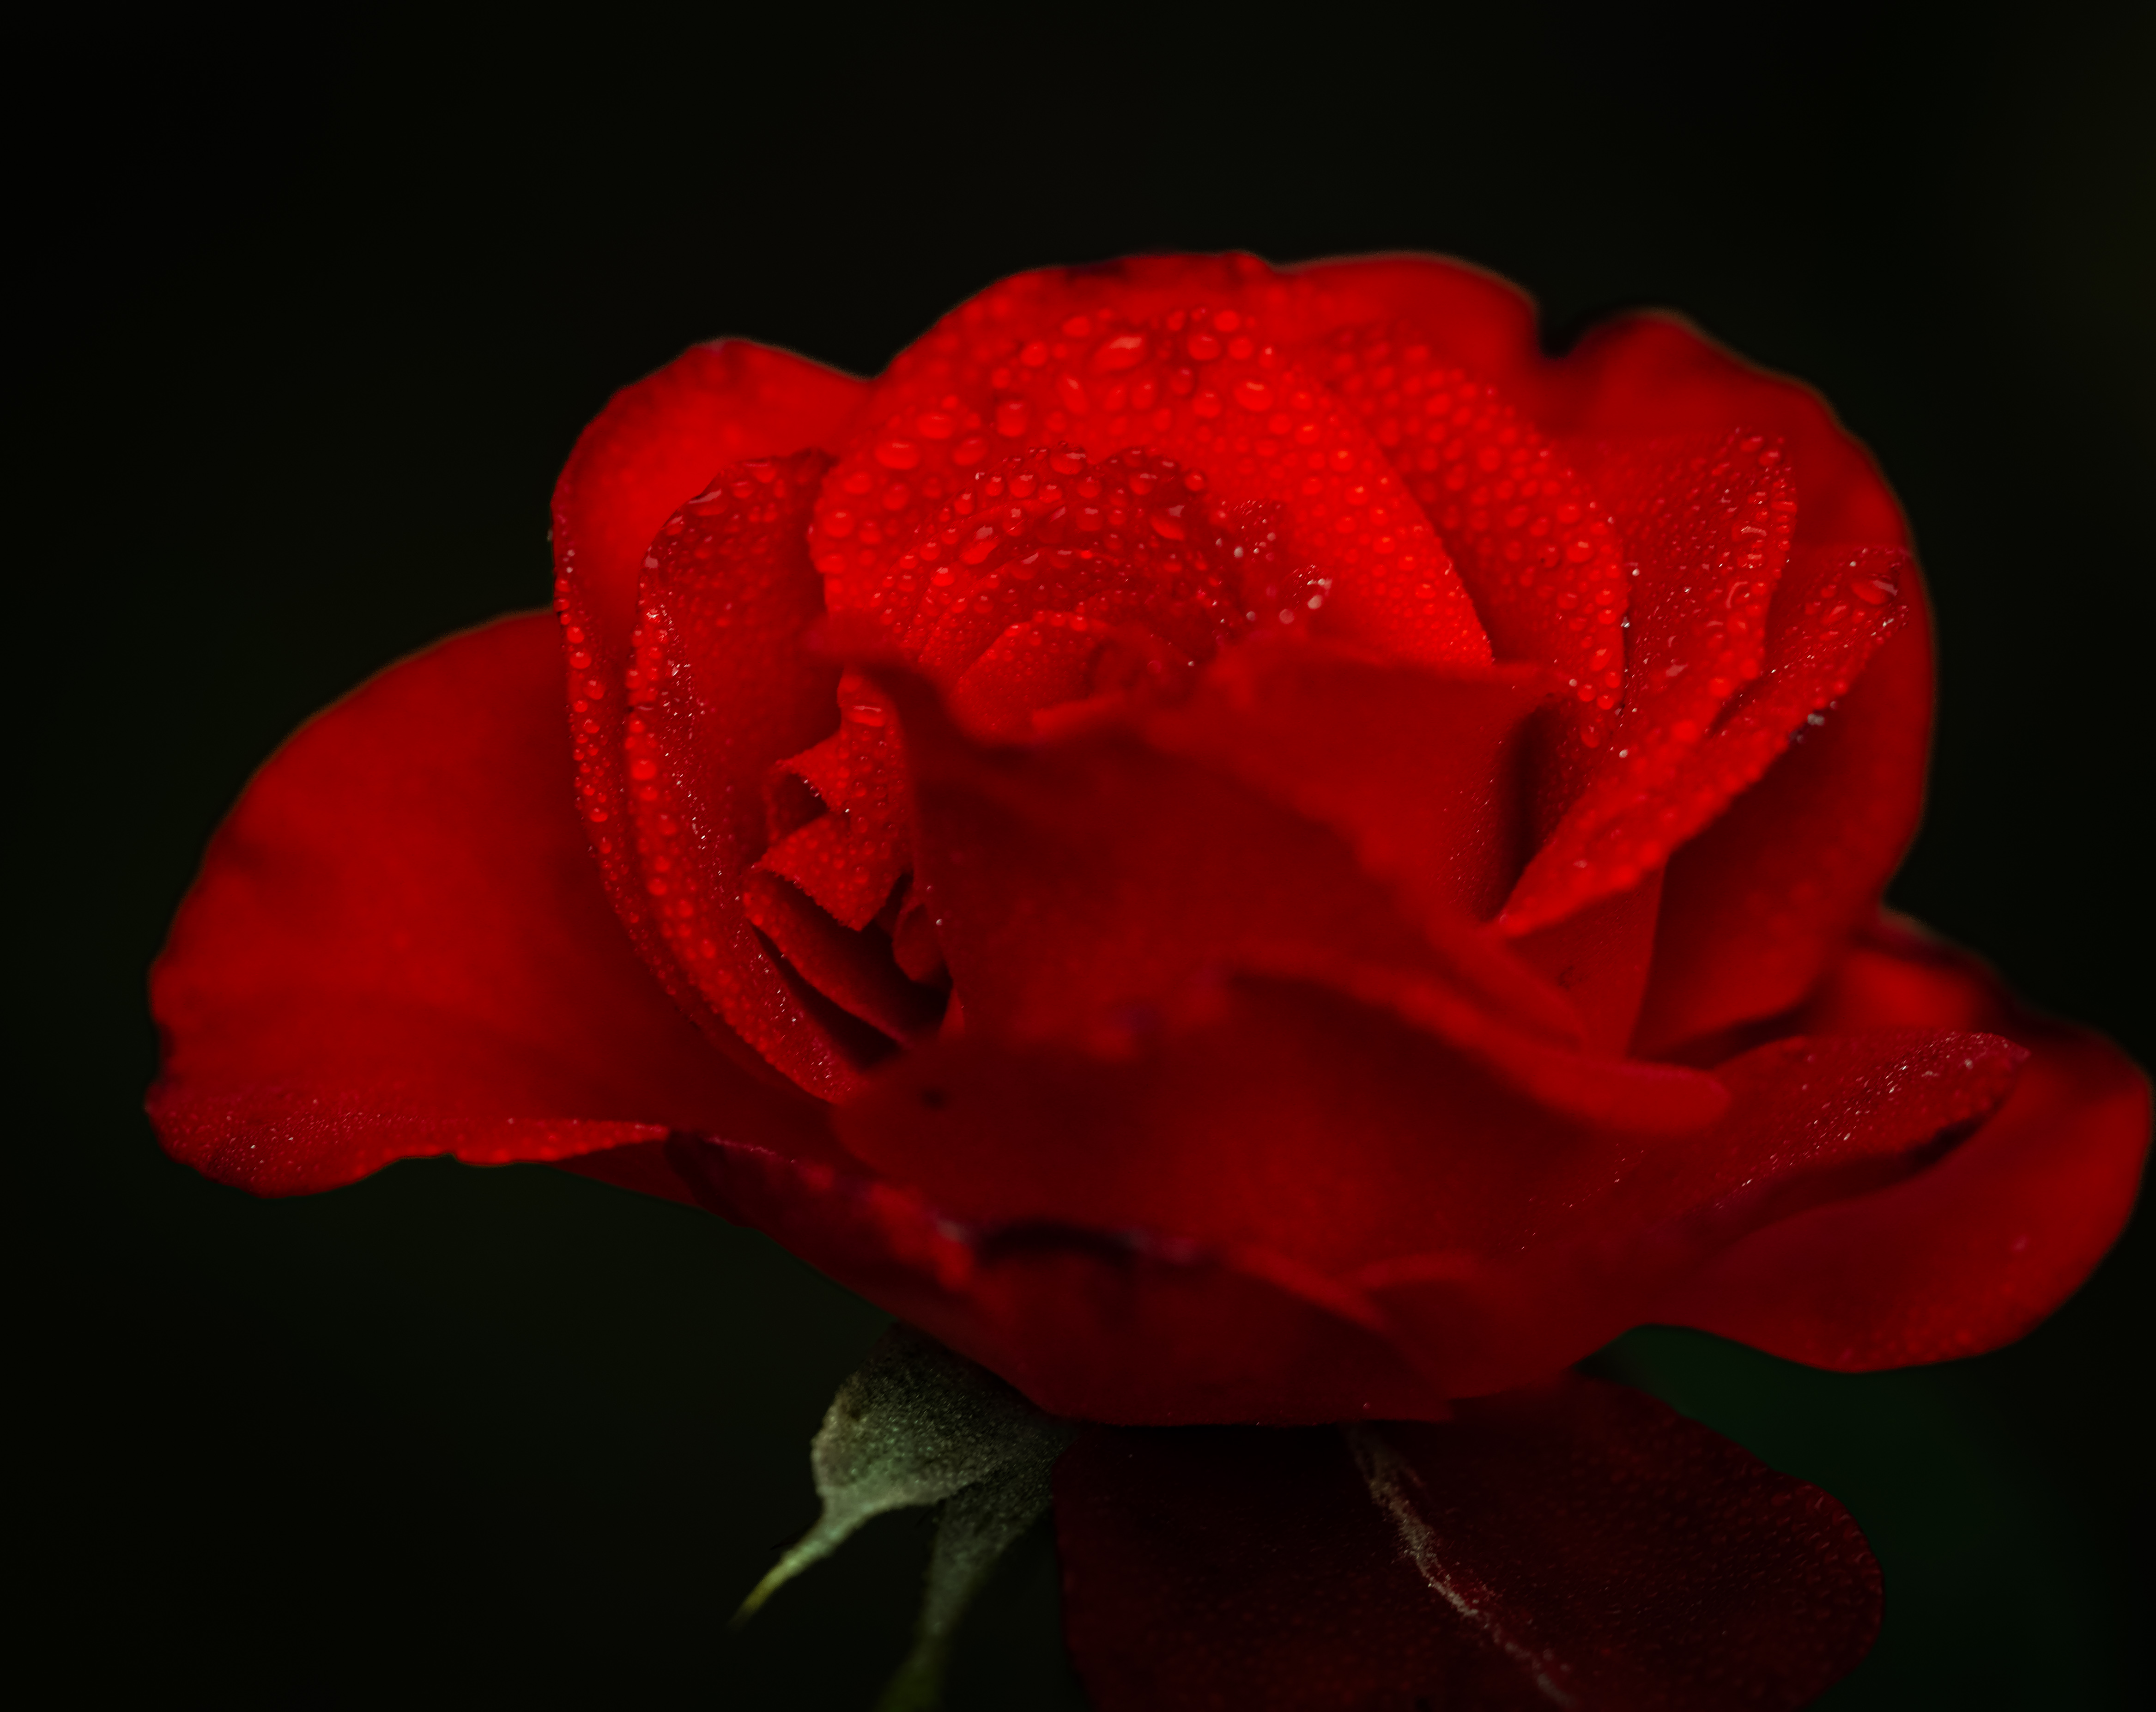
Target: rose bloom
x=1237, y=845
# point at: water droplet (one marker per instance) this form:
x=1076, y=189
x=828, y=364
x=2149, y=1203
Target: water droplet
x=1126, y=351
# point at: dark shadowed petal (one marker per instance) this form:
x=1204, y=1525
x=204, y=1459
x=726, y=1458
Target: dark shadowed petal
x=1499, y=1236
x=1575, y=1545
x=398, y=945
x=1101, y=1325
x=1418, y=770
x=1071, y=876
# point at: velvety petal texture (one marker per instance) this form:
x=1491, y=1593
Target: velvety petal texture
x=399, y=945
x=1576, y=1545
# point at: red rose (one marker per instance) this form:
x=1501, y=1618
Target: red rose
x=1237, y=845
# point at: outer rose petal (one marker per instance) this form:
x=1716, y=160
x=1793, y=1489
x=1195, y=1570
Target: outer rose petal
x=1271, y=1113
x=655, y=445
x=1756, y=907
x=657, y=442
x=1099, y=1326
x=1577, y=1545
x=1976, y=1251
x=398, y=945
x=1656, y=374
x=1501, y=1238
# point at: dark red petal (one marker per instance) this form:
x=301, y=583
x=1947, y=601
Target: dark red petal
x=1417, y=770
x=1972, y=1253
x=398, y=945
x=1601, y=957
x=1072, y=878
x=855, y=967
x=1655, y=374
x=1501, y=1236
x=721, y=691
x=1579, y=1545
x=1812, y=1119
x=854, y=844
x=655, y=445
x=1273, y=1114
x=1099, y=1326
x=1756, y=905
x=1707, y=526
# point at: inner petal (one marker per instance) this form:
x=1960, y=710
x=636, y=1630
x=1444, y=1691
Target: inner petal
x=1206, y=386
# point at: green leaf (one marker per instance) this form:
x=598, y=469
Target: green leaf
x=918, y=1425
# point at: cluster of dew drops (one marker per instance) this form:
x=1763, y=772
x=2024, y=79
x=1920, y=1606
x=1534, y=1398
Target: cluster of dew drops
x=1052, y=536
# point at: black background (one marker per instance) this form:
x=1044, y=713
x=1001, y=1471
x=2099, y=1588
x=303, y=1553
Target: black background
x=306, y=324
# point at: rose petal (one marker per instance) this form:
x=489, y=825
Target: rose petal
x=1418, y=770
x=1646, y=373
x=720, y=692
x=398, y=945
x=1475, y=320
x=1811, y=1120
x=1707, y=524
x=1654, y=373
x=1075, y=877
x=1599, y=958
x=1095, y=1324
x=855, y=968
x=1756, y=905
x=1276, y=1114
x=1537, y=546
x=1045, y=360
x=655, y=444
x=1503, y=1236
x=1973, y=1252
x=852, y=844
x=1579, y=1545
x=932, y=416
x=658, y=441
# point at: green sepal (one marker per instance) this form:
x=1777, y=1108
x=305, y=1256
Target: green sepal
x=915, y=1424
